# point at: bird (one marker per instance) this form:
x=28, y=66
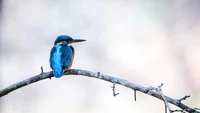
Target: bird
x=62, y=54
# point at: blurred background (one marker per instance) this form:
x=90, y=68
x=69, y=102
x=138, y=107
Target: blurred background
x=145, y=42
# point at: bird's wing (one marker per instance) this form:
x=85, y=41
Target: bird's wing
x=56, y=60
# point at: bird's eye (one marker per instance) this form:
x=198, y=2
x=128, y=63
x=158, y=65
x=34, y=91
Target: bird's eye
x=68, y=40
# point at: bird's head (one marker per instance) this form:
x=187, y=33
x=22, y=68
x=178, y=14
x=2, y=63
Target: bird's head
x=64, y=39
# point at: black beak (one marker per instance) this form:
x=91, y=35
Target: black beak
x=77, y=40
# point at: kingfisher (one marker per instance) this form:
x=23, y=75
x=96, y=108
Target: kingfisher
x=62, y=54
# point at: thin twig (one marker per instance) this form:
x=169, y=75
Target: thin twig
x=146, y=90
x=113, y=89
x=135, y=95
x=184, y=98
x=42, y=70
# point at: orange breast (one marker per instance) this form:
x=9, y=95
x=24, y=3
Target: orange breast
x=72, y=59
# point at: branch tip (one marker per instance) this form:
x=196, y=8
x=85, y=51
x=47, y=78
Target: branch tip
x=42, y=72
x=159, y=87
x=135, y=95
x=184, y=98
x=113, y=88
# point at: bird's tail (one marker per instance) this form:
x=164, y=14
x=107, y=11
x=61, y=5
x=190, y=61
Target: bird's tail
x=58, y=73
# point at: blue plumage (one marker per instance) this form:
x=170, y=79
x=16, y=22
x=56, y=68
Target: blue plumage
x=62, y=54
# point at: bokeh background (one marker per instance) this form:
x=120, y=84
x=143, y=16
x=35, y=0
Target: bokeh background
x=145, y=42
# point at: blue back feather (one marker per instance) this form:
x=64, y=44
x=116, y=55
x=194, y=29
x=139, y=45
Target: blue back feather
x=56, y=60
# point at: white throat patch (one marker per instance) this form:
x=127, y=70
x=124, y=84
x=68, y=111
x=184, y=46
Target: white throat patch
x=70, y=44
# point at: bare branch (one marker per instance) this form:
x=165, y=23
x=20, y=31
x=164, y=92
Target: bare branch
x=146, y=90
